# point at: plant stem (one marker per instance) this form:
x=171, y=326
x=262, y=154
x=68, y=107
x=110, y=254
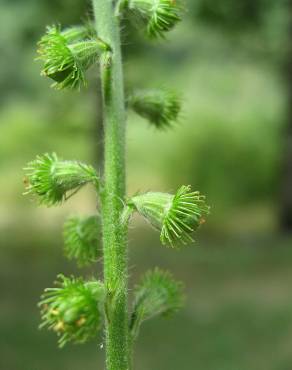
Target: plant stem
x=113, y=192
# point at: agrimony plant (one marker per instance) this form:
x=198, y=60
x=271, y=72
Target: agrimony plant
x=76, y=309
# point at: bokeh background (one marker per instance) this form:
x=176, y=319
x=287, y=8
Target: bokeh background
x=232, y=62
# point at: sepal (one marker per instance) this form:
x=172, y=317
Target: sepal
x=69, y=34
x=66, y=56
x=158, y=294
x=175, y=216
x=82, y=239
x=73, y=309
x=158, y=16
x=53, y=180
x=160, y=107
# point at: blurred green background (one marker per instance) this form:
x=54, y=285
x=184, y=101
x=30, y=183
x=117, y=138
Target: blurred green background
x=231, y=61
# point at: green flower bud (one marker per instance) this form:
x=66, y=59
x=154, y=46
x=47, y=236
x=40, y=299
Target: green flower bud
x=159, y=16
x=66, y=58
x=160, y=107
x=82, y=239
x=54, y=180
x=158, y=294
x=175, y=216
x=73, y=310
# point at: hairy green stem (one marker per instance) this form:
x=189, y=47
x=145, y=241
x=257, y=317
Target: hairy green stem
x=113, y=192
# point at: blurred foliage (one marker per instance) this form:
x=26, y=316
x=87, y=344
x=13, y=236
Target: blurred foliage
x=233, y=15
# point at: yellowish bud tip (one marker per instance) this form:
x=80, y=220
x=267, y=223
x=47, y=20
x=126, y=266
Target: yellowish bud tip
x=81, y=321
x=60, y=326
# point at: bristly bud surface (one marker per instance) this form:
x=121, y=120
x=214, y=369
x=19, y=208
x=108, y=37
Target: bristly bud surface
x=73, y=309
x=175, y=216
x=157, y=294
x=54, y=181
x=69, y=34
x=67, y=57
x=82, y=239
x=160, y=107
x=158, y=16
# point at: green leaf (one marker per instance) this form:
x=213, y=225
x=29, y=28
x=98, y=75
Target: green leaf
x=158, y=294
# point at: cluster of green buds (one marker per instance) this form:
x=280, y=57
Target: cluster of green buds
x=68, y=53
x=76, y=309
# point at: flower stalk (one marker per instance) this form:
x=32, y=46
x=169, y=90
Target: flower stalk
x=113, y=193
x=77, y=309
